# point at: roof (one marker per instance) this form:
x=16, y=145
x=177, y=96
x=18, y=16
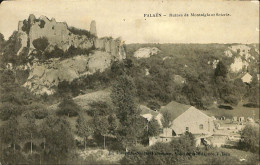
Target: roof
x=247, y=78
x=146, y=110
x=175, y=109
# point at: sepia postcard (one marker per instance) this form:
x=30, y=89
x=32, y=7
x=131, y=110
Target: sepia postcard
x=129, y=82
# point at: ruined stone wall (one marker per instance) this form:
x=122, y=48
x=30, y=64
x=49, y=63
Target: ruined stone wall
x=59, y=34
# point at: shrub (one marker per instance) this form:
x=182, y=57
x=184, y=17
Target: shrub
x=154, y=105
x=56, y=52
x=42, y=23
x=77, y=31
x=40, y=113
x=26, y=26
x=40, y=43
x=72, y=51
x=250, y=105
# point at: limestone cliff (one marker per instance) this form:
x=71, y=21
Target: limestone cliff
x=43, y=77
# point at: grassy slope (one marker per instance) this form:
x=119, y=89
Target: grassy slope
x=238, y=110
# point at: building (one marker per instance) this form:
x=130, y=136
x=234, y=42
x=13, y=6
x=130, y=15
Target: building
x=149, y=114
x=247, y=78
x=185, y=118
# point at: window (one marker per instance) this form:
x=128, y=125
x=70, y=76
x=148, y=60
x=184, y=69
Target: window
x=187, y=129
x=173, y=133
x=201, y=126
x=161, y=130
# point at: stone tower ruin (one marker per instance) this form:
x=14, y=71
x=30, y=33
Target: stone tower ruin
x=93, y=29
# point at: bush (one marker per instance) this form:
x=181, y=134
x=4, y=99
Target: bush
x=40, y=43
x=42, y=23
x=251, y=105
x=55, y=53
x=77, y=31
x=228, y=107
x=26, y=26
x=40, y=113
x=72, y=51
x=154, y=105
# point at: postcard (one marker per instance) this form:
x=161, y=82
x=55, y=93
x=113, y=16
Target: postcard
x=129, y=82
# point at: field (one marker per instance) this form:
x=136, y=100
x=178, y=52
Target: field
x=237, y=111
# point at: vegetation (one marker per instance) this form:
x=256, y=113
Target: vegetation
x=80, y=32
x=250, y=139
x=153, y=128
x=68, y=107
x=40, y=43
x=118, y=126
x=10, y=48
x=53, y=130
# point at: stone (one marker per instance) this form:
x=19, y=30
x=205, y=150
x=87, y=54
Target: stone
x=93, y=29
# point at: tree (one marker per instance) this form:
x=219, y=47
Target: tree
x=250, y=138
x=84, y=128
x=104, y=121
x=68, y=107
x=58, y=137
x=101, y=126
x=167, y=119
x=153, y=128
x=10, y=48
x=29, y=130
x=123, y=93
x=2, y=40
x=10, y=132
x=221, y=70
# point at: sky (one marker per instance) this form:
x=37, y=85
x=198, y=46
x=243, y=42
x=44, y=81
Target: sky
x=125, y=19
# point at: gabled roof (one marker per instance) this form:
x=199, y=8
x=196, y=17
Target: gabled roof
x=247, y=78
x=146, y=110
x=175, y=109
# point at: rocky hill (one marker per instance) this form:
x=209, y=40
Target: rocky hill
x=59, y=34
x=53, y=52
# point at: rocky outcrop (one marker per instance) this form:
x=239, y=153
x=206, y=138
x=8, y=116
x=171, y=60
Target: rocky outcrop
x=146, y=52
x=115, y=47
x=44, y=77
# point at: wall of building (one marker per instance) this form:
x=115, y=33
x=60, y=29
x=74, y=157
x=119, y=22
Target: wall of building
x=193, y=118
